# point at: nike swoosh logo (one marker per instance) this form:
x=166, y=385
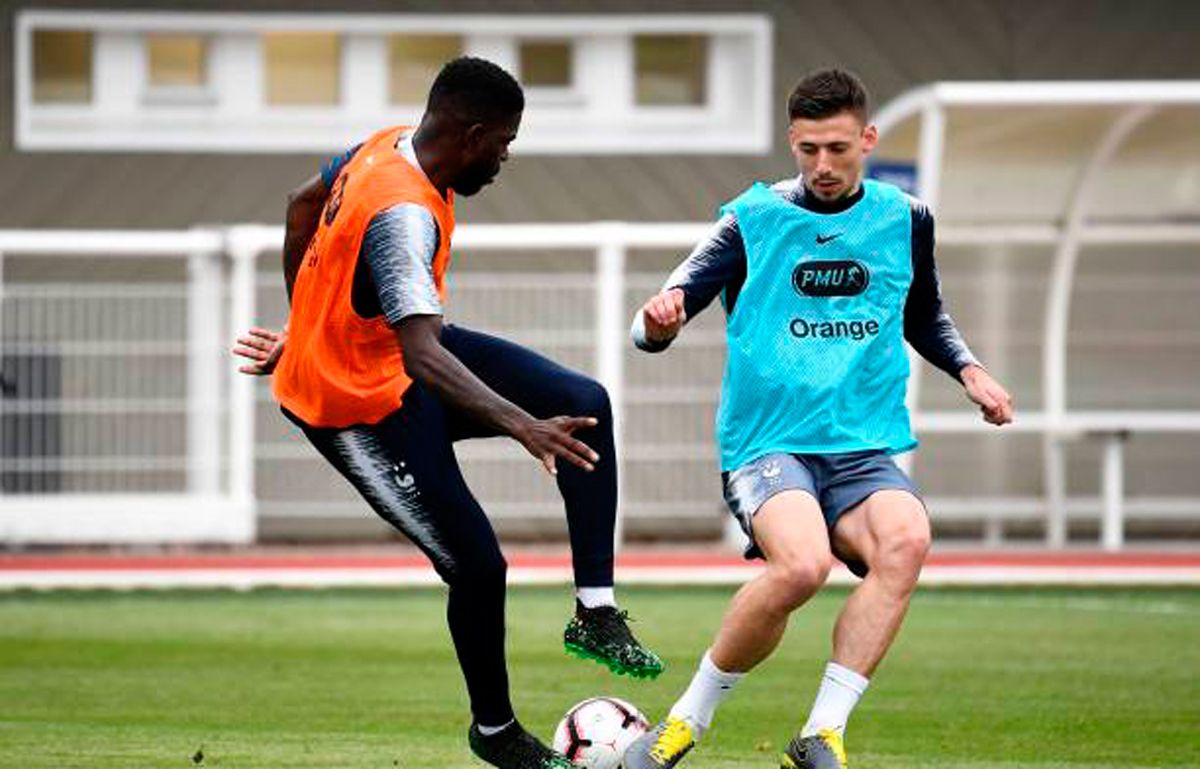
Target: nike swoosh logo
x=823, y=239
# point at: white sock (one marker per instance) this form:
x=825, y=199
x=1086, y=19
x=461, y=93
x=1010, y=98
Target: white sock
x=709, y=687
x=488, y=731
x=591, y=597
x=840, y=689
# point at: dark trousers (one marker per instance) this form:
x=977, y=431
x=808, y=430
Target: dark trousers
x=406, y=469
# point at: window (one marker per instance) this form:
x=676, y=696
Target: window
x=62, y=66
x=232, y=81
x=176, y=61
x=671, y=70
x=546, y=64
x=302, y=68
x=413, y=63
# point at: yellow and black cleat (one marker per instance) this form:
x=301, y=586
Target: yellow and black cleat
x=660, y=748
x=823, y=750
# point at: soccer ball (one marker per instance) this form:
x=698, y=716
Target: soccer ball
x=594, y=733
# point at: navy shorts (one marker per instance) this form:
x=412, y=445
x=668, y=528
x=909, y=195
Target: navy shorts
x=839, y=483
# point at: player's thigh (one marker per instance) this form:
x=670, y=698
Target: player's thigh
x=774, y=500
x=888, y=521
x=406, y=470
x=537, y=384
x=790, y=530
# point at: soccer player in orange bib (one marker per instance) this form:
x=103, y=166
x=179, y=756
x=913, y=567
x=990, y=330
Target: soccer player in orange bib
x=383, y=388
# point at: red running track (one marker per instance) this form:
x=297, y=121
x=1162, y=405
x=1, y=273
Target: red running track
x=644, y=559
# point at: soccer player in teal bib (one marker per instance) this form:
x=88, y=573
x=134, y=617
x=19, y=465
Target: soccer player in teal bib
x=823, y=278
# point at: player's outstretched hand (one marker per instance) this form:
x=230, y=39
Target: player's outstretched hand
x=994, y=401
x=551, y=439
x=663, y=315
x=262, y=347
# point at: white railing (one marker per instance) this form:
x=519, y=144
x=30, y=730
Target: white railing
x=1134, y=103
x=194, y=469
x=135, y=435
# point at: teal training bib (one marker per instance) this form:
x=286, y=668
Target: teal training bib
x=816, y=362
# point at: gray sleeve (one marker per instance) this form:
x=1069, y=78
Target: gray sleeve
x=716, y=267
x=399, y=246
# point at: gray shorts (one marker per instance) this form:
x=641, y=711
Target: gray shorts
x=839, y=482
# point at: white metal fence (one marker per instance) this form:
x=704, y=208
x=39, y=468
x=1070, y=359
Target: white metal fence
x=123, y=419
x=116, y=423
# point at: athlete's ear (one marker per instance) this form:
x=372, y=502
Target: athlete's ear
x=473, y=135
x=870, y=138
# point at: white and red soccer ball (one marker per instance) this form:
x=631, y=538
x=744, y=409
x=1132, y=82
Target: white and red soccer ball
x=595, y=733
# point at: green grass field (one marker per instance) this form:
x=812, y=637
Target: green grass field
x=366, y=678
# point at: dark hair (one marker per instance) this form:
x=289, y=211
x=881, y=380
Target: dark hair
x=826, y=93
x=473, y=90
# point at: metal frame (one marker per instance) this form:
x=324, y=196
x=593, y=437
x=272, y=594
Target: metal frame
x=1141, y=100
x=204, y=513
x=84, y=518
x=229, y=515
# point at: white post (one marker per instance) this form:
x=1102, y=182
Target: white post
x=237, y=75
x=243, y=251
x=120, y=73
x=929, y=177
x=3, y=395
x=1058, y=307
x=996, y=322
x=204, y=384
x=610, y=340
x=364, y=63
x=1112, y=531
x=1055, y=468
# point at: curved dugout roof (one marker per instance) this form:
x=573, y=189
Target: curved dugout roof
x=1062, y=163
x=1012, y=152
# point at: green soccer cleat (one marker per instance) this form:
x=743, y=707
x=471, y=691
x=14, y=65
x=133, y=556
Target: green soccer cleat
x=601, y=634
x=660, y=748
x=823, y=750
x=515, y=748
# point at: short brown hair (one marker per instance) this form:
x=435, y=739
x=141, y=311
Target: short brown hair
x=826, y=93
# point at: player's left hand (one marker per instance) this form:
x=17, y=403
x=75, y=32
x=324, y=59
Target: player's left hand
x=994, y=401
x=262, y=347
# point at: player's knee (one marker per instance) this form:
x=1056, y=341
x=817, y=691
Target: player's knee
x=800, y=576
x=589, y=398
x=905, y=548
x=482, y=572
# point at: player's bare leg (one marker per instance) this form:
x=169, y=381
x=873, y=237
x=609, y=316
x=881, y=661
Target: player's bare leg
x=890, y=533
x=791, y=532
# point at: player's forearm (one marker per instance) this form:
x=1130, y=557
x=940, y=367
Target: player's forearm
x=938, y=341
x=445, y=375
x=303, y=216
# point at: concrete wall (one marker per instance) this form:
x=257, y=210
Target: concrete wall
x=893, y=46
